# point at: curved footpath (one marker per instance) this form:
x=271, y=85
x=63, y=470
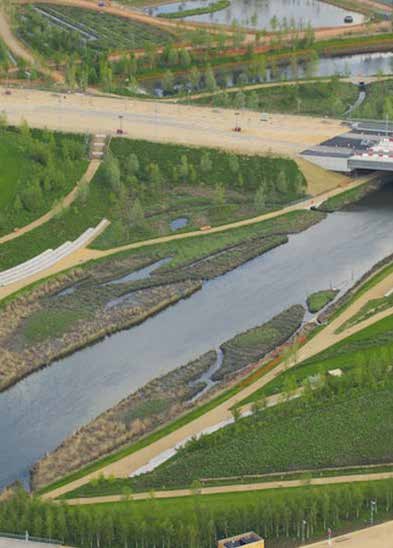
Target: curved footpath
x=65, y=202
x=322, y=340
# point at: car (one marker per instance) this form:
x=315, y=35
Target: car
x=119, y=131
x=348, y=19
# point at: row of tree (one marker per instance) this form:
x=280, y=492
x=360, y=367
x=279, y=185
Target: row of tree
x=298, y=515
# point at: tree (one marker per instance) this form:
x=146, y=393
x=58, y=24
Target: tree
x=233, y=163
x=111, y=172
x=195, y=77
x=240, y=100
x=137, y=215
x=185, y=58
x=168, y=82
x=183, y=169
x=206, y=163
x=210, y=80
x=132, y=167
x=282, y=182
x=219, y=194
x=259, y=199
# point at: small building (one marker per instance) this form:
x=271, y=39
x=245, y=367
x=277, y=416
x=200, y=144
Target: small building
x=251, y=540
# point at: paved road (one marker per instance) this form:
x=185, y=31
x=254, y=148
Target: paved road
x=190, y=125
x=379, y=536
x=11, y=543
x=324, y=339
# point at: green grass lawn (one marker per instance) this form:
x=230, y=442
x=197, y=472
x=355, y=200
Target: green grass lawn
x=318, y=300
x=32, y=177
x=330, y=98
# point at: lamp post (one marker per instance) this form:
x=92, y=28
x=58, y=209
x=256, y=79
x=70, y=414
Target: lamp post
x=373, y=507
x=120, y=130
x=304, y=523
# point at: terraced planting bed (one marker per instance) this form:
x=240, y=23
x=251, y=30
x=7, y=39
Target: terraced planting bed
x=52, y=30
x=347, y=430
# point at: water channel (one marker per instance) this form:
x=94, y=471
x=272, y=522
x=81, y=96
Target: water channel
x=40, y=411
x=358, y=65
x=265, y=14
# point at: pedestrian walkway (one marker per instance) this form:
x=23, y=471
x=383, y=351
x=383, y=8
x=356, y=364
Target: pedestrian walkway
x=379, y=536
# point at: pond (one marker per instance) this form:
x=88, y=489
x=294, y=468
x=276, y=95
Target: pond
x=266, y=14
x=44, y=408
x=178, y=223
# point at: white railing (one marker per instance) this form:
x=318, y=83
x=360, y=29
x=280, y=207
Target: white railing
x=50, y=257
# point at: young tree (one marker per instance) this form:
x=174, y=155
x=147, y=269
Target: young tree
x=206, y=163
x=132, y=167
x=137, y=215
x=168, y=81
x=210, y=80
x=260, y=198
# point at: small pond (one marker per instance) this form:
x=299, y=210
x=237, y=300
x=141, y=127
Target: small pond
x=178, y=223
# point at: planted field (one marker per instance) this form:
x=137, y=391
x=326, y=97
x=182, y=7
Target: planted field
x=317, y=98
x=317, y=301
x=55, y=30
x=138, y=190
x=33, y=171
x=348, y=430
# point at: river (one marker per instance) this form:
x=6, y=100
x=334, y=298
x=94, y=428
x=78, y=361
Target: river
x=40, y=411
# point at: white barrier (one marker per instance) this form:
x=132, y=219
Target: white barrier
x=49, y=257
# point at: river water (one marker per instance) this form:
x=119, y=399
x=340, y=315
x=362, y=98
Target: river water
x=358, y=65
x=40, y=411
x=266, y=14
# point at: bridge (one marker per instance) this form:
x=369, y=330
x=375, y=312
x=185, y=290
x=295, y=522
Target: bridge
x=367, y=145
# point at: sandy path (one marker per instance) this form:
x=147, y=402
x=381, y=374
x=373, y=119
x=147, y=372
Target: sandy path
x=236, y=488
x=66, y=202
x=325, y=338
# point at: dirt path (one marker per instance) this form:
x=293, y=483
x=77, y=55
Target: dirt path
x=324, y=339
x=66, y=202
x=236, y=488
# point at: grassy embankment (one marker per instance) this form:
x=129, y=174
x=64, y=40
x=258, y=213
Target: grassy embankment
x=330, y=98
x=32, y=177
x=318, y=300
x=161, y=183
